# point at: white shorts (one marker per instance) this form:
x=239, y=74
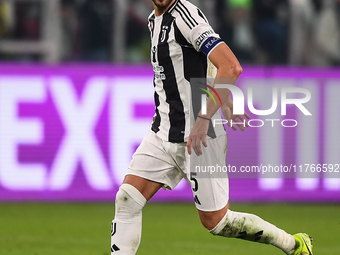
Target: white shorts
x=167, y=163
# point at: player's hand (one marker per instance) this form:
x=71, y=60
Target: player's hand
x=227, y=110
x=198, y=133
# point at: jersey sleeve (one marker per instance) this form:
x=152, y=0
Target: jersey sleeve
x=196, y=30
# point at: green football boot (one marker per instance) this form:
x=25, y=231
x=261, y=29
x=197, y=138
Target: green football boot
x=303, y=244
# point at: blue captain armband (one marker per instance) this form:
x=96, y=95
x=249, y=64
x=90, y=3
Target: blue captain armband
x=210, y=44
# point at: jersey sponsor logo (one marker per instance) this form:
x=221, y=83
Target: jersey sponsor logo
x=203, y=36
x=153, y=51
x=160, y=76
x=158, y=70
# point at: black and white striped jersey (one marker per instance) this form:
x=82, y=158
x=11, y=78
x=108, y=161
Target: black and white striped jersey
x=181, y=40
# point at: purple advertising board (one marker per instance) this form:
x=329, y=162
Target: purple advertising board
x=67, y=133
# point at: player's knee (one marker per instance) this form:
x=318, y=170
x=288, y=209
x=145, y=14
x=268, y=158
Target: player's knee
x=129, y=202
x=209, y=219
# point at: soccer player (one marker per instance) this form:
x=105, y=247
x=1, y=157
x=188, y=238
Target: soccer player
x=182, y=45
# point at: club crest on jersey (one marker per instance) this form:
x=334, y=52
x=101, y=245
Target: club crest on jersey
x=164, y=33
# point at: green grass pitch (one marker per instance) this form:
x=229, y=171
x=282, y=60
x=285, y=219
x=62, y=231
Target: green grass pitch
x=84, y=229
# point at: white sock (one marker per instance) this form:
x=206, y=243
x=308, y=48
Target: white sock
x=252, y=228
x=126, y=228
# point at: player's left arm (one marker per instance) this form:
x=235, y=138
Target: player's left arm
x=235, y=121
x=228, y=70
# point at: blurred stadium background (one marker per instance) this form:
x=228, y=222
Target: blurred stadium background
x=294, y=32
x=76, y=99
